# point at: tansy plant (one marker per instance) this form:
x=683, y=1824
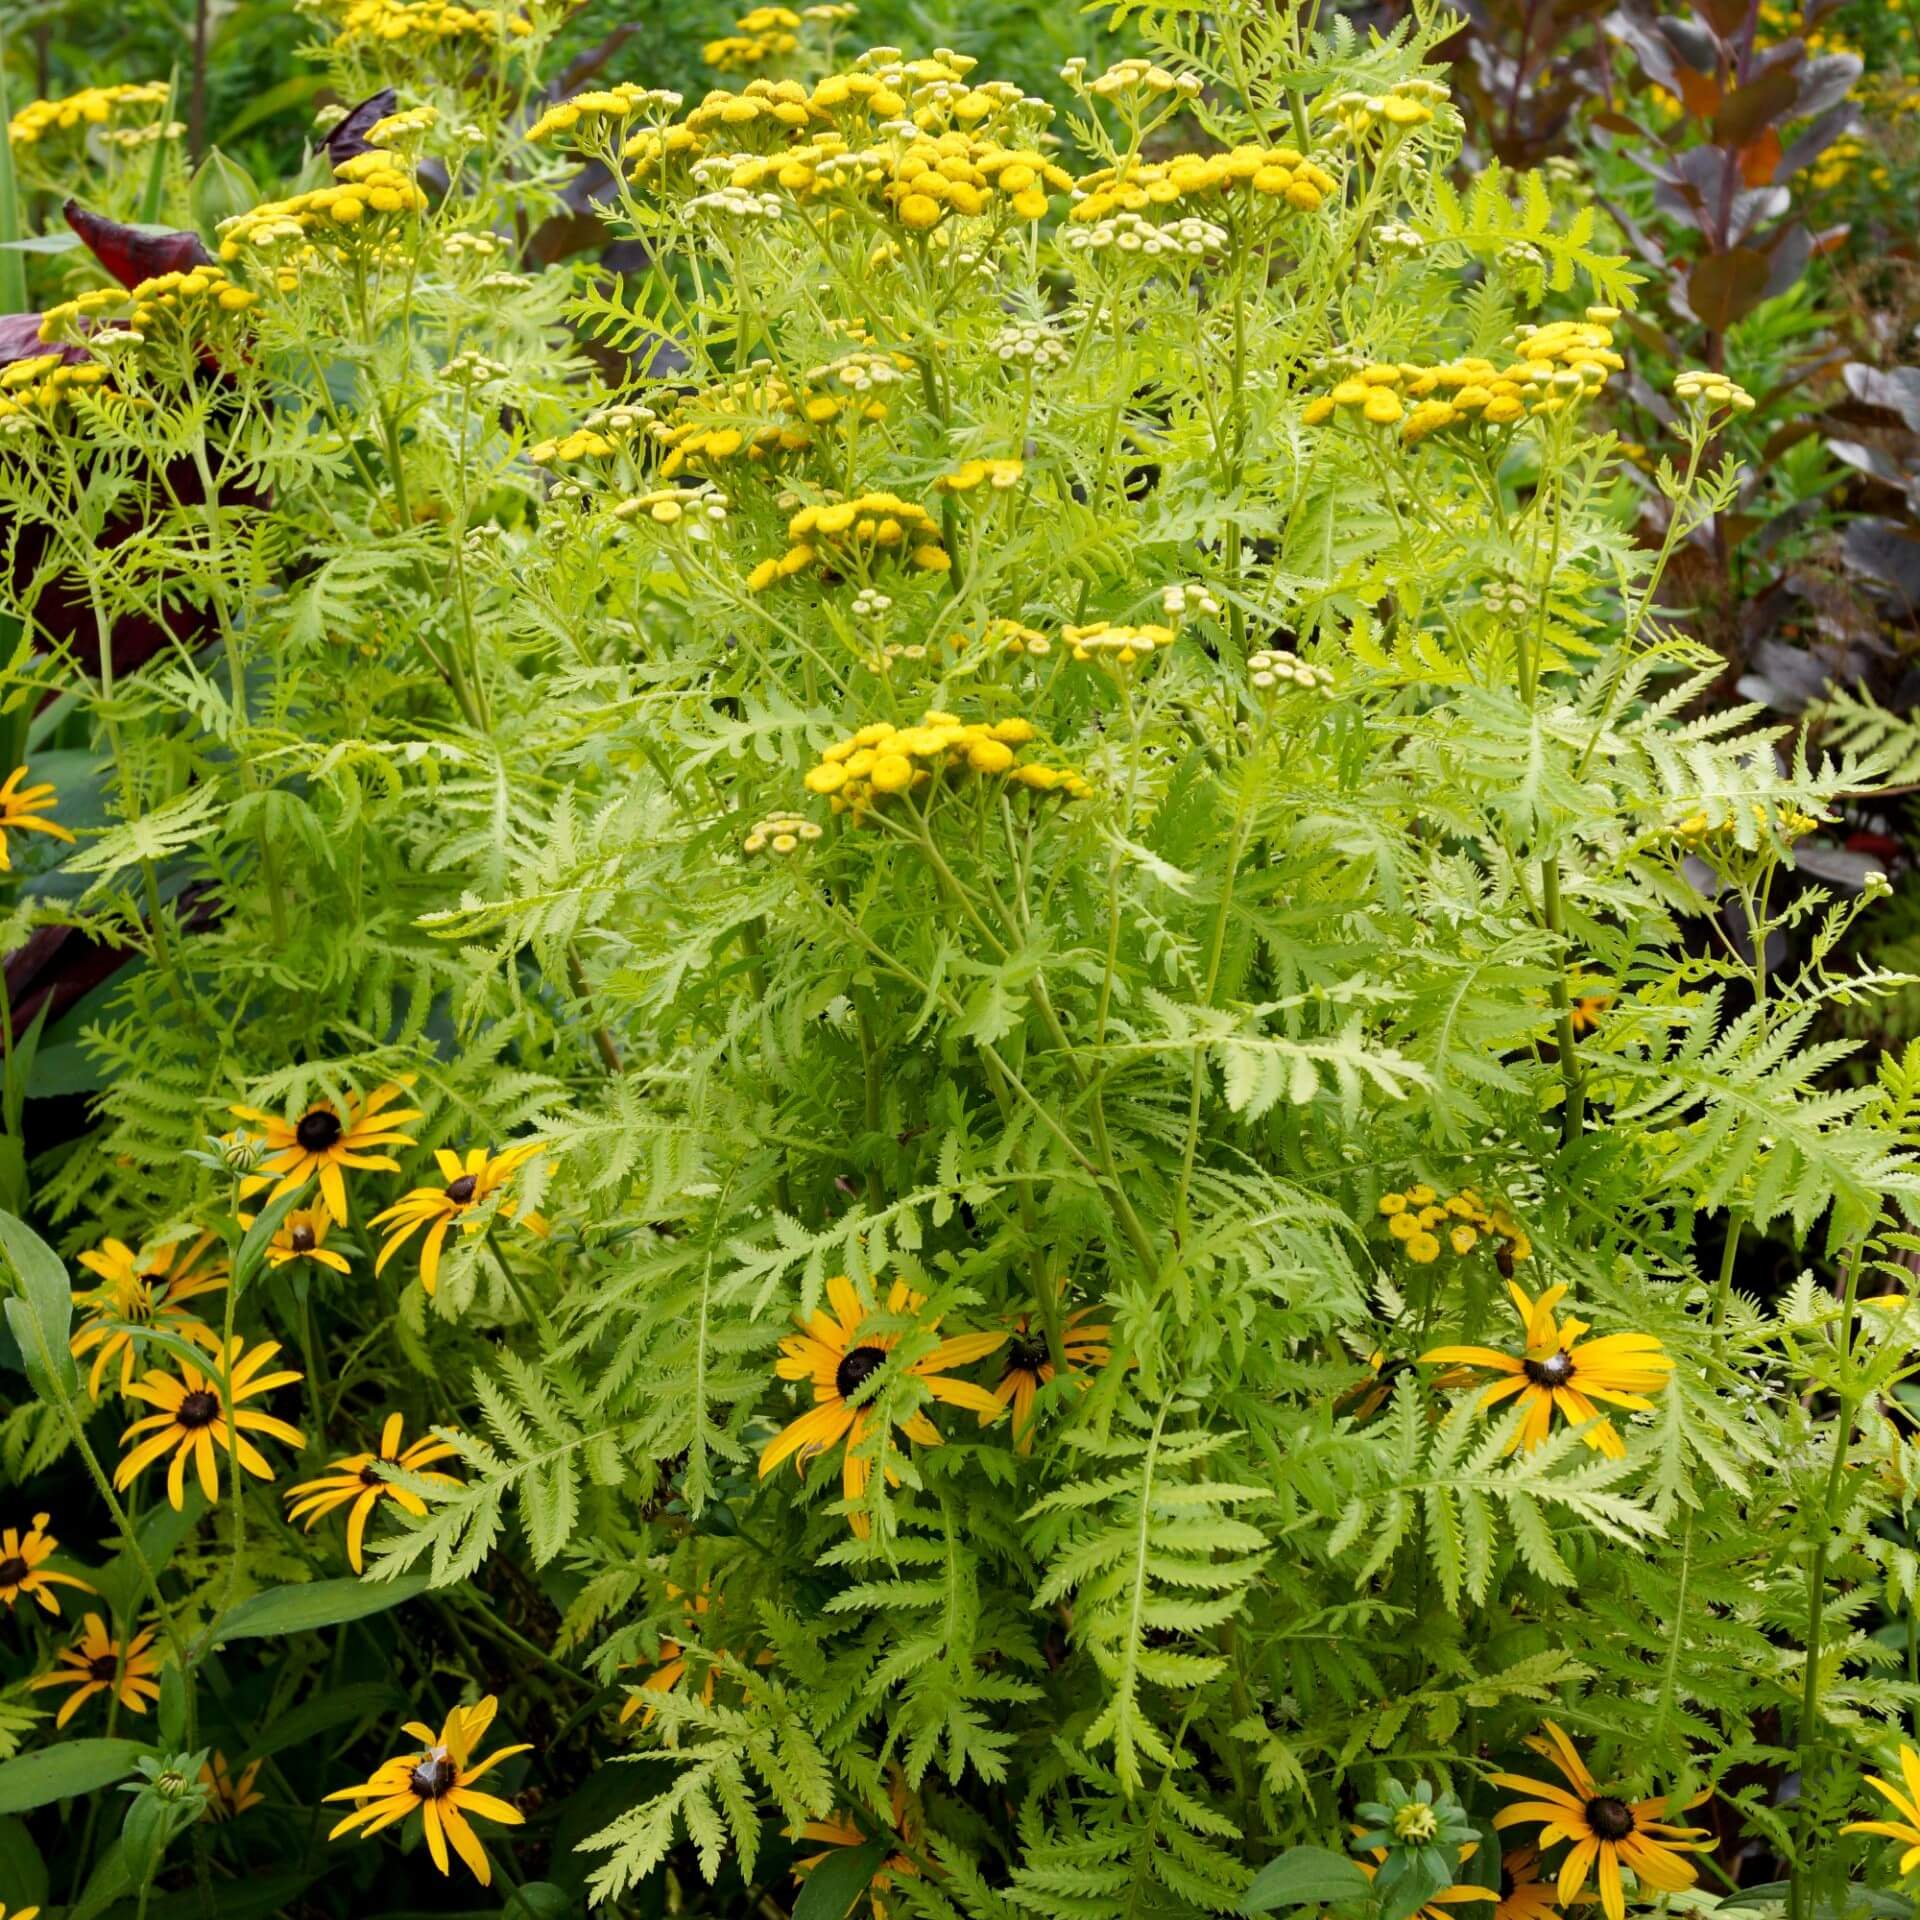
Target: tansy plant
x=976, y=895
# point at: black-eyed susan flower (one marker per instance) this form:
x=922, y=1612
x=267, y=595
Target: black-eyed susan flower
x=1906, y=1803
x=323, y=1142
x=97, y=1663
x=1605, y=1830
x=438, y=1781
x=145, y=1289
x=193, y=1421
x=1559, y=1370
x=302, y=1235
x=228, y=1798
x=468, y=1185
x=354, y=1480
x=25, y=808
x=839, y=1354
x=23, y=1567
x=1029, y=1366
x=1523, y=1894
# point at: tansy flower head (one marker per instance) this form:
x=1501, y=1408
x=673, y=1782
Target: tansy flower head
x=22, y=1569
x=90, y=107
x=469, y=1185
x=1604, y=1829
x=1029, y=1366
x=1559, y=1371
x=194, y=1419
x=355, y=1480
x=97, y=1662
x=1905, y=1801
x=1426, y=1225
x=882, y=759
x=324, y=1141
x=839, y=1352
x=438, y=1782
x=139, y=1290
x=228, y=1798
x=22, y=809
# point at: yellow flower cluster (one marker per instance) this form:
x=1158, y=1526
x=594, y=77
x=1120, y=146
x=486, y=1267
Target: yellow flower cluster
x=428, y=22
x=771, y=418
x=1000, y=475
x=670, y=506
x=1417, y=1217
x=840, y=533
x=762, y=35
x=616, y=104
x=1841, y=160
x=1104, y=640
x=179, y=297
x=1132, y=77
x=1270, y=669
x=1712, y=390
x=599, y=436
x=883, y=759
x=369, y=185
x=40, y=387
x=920, y=180
x=1010, y=636
x=781, y=833
x=1789, y=822
x=90, y=107
x=1561, y=363
x=1407, y=103
x=1267, y=173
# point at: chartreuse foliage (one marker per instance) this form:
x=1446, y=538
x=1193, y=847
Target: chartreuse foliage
x=892, y=946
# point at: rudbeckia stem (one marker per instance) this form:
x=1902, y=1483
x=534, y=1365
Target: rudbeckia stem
x=1809, y=1731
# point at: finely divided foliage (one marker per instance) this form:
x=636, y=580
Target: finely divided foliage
x=966, y=917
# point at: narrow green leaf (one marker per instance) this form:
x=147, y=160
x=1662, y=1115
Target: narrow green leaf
x=253, y=1249
x=13, y=269
x=319, y=1603
x=154, y=191
x=62, y=1772
x=42, y=1318
x=337, y=1707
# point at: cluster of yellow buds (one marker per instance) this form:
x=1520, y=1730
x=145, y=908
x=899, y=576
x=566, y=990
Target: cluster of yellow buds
x=1132, y=77
x=1557, y=365
x=90, y=107
x=427, y=22
x=773, y=418
x=1004, y=635
x=918, y=179
x=603, y=433
x=1418, y=1217
x=781, y=833
x=39, y=387
x=1030, y=343
x=602, y=109
x=1270, y=670
x=1113, y=644
x=1789, y=822
x=676, y=506
x=842, y=534
x=1183, y=597
x=883, y=759
x=371, y=184
x=1709, y=390
x=188, y=300
x=1271, y=173
x=396, y=131
x=1407, y=103
x=766, y=33
x=1000, y=475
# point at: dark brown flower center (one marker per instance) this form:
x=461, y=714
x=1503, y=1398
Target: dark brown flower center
x=13, y=1569
x=435, y=1776
x=1554, y=1371
x=200, y=1408
x=318, y=1130
x=369, y=1476
x=104, y=1666
x=460, y=1191
x=1609, y=1818
x=1028, y=1354
x=301, y=1239
x=857, y=1366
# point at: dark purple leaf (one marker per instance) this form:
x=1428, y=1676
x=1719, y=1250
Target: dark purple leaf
x=348, y=140
x=1746, y=110
x=1725, y=287
x=1886, y=552
x=133, y=254
x=1825, y=82
x=1895, y=390
x=20, y=340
